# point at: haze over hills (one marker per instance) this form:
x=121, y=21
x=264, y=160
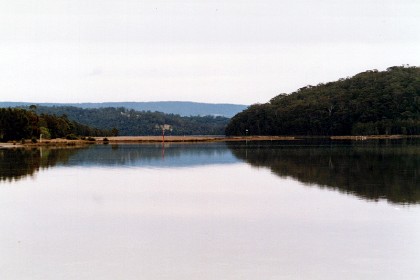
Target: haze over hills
x=182, y=108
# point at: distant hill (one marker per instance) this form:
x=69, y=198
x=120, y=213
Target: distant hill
x=181, y=108
x=370, y=103
x=132, y=122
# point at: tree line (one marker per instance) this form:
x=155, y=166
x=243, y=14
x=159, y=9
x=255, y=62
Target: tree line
x=370, y=103
x=130, y=122
x=18, y=124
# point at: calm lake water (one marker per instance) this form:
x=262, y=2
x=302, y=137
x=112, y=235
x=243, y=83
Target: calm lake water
x=255, y=210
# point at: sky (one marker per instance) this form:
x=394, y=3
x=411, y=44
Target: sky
x=230, y=51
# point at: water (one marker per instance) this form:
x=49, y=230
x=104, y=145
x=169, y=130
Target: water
x=274, y=210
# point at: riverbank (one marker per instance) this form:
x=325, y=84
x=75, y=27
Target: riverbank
x=47, y=143
x=187, y=139
x=141, y=139
x=174, y=139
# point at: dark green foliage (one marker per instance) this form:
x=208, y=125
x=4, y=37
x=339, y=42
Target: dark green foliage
x=16, y=124
x=369, y=103
x=122, y=121
x=20, y=124
x=114, y=132
x=71, y=137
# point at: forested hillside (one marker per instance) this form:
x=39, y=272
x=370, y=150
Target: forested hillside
x=131, y=122
x=369, y=103
x=17, y=124
x=182, y=108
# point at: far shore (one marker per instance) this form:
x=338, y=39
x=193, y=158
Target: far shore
x=60, y=142
x=191, y=138
x=186, y=139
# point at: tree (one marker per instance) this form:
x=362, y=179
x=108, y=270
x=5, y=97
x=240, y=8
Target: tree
x=371, y=102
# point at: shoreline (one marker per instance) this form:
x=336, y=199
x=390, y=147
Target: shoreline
x=141, y=139
x=189, y=139
x=181, y=139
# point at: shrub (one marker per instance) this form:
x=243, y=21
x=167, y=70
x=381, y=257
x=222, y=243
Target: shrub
x=45, y=132
x=71, y=137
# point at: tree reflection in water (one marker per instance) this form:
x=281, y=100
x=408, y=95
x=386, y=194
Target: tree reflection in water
x=16, y=164
x=369, y=169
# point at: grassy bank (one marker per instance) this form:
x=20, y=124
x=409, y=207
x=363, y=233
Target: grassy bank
x=185, y=139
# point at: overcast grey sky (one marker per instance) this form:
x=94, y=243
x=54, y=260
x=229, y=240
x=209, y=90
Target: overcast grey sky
x=207, y=51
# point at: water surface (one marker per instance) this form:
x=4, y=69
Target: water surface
x=274, y=210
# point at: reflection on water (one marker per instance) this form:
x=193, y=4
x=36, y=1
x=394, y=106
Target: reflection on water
x=372, y=170
x=18, y=163
x=154, y=155
x=129, y=212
